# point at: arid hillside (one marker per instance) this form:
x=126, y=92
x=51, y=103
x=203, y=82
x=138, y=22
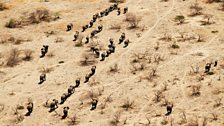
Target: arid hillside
x=112, y=62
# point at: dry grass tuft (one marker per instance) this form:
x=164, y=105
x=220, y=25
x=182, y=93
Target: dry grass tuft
x=114, y=69
x=195, y=90
x=28, y=55
x=13, y=58
x=128, y=104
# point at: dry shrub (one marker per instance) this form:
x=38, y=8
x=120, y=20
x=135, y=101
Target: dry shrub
x=93, y=82
x=117, y=1
x=59, y=39
x=214, y=116
x=195, y=9
x=35, y=17
x=164, y=120
x=92, y=95
x=195, y=90
x=166, y=37
x=128, y=104
x=100, y=91
x=19, y=107
x=138, y=67
x=46, y=70
x=19, y=118
x=28, y=55
x=206, y=20
x=218, y=102
x=87, y=60
x=13, y=23
x=175, y=46
x=13, y=40
x=114, y=69
x=193, y=121
x=13, y=58
x=212, y=1
x=116, y=27
x=2, y=6
x=116, y=119
x=50, y=54
x=2, y=106
x=133, y=20
x=222, y=6
x=183, y=118
x=158, y=96
x=39, y=15
x=73, y=120
x=180, y=19
x=49, y=33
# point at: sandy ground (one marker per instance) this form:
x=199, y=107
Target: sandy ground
x=174, y=79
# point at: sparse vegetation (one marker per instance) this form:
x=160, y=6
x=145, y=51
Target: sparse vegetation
x=13, y=58
x=2, y=106
x=166, y=37
x=132, y=20
x=13, y=40
x=212, y=1
x=59, y=39
x=93, y=82
x=128, y=104
x=115, y=119
x=19, y=107
x=114, y=69
x=175, y=46
x=195, y=9
x=116, y=27
x=117, y=1
x=40, y=15
x=2, y=6
x=214, y=116
x=79, y=42
x=158, y=96
x=74, y=120
x=13, y=23
x=164, y=120
x=218, y=102
x=35, y=17
x=87, y=60
x=193, y=121
x=27, y=55
x=46, y=69
x=96, y=88
x=195, y=90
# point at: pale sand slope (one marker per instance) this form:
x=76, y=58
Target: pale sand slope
x=174, y=70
